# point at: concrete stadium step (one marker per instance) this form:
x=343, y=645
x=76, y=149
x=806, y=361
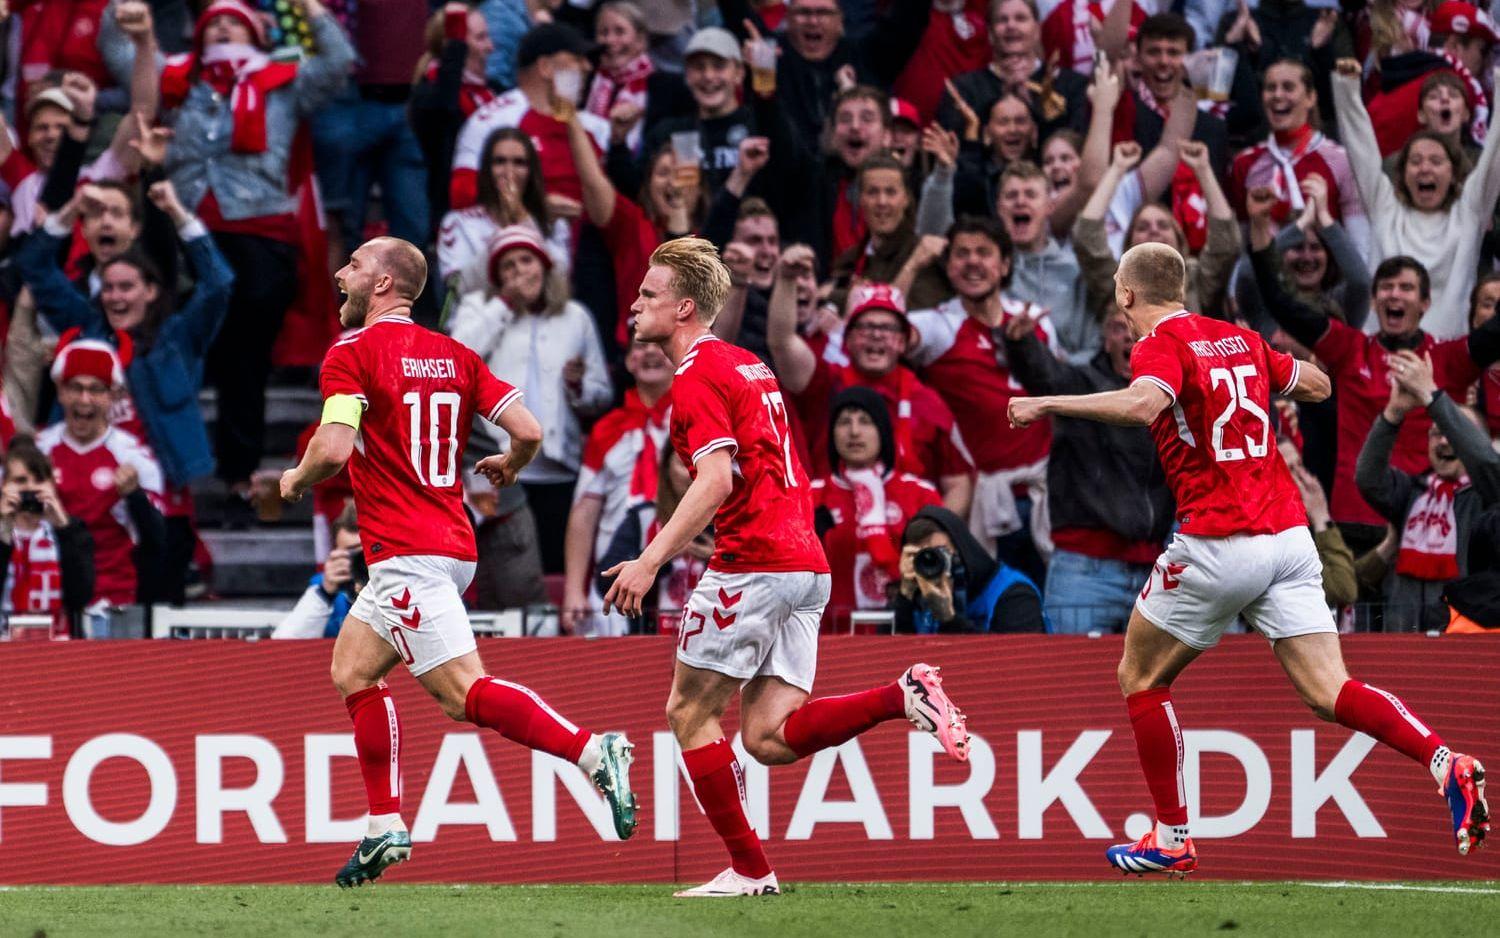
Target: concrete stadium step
x=268, y=562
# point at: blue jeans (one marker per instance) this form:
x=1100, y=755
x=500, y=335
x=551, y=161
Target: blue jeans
x=359, y=143
x=1087, y=594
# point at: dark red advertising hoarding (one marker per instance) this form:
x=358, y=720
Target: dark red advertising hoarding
x=210, y=761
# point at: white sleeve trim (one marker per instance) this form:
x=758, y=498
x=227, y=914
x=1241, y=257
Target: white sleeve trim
x=723, y=442
x=1159, y=383
x=1296, y=376
x=506, y=401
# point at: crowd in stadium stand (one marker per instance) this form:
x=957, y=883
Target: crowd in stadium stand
x=921, y=203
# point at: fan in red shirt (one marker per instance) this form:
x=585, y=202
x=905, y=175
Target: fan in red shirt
x=862, y=505
x=876, y=333
x=399, y=401
x=1360, y=365
x=547, y=56
x=751, y=624
x=1243, y=548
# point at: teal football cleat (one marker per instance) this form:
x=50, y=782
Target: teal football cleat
x=372, y=856
x=613, y=779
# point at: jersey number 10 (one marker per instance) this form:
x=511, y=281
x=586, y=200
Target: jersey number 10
x=1239, y=400
x=439, y=468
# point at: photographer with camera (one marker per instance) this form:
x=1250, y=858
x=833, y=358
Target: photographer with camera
x=950, y=583
x=48, y=556
x=330, y=593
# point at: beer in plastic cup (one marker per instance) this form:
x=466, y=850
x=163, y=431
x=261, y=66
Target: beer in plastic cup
x=763, y=67
x=687, y=156
x=567, y=85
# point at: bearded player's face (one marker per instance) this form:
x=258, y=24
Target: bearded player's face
x=356, y=281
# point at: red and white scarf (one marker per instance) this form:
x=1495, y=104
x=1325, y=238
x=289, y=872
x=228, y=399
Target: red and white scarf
x=878, y=561
x=244, y=74
x=624, y=84
x=1480, y=101
x=1429, y=542
x=1416, y=25
x=34, y=580
x=1284, y=180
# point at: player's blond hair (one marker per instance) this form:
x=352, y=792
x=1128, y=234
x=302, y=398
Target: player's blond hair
x=697, y=274
x=406, y=264
x=1156, y=272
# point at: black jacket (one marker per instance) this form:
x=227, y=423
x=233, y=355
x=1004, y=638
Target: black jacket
x=981, y=88
x=1018, y=609
x=75, y=560
x=1098, y=475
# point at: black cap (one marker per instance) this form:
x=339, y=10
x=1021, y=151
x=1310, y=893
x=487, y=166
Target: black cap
x=550, y=39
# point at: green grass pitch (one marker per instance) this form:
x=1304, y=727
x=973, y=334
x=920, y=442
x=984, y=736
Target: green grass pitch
x=1128, y=907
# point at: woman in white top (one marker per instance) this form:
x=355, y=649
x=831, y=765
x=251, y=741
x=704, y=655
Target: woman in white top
x=525, y=327
x=510, y=193
x=1436, y=211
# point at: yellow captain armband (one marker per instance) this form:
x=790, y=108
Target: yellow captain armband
x=343, y=408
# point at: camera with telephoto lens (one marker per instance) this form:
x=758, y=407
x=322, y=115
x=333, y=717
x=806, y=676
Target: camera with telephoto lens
x=29, y=502
x=932, y=563
x=359, y=573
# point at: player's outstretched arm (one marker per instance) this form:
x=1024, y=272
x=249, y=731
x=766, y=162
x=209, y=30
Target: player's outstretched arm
x=525, y=440
x=714, y=482
x=1312, y=384
x=327, y=451
x=1133, y=406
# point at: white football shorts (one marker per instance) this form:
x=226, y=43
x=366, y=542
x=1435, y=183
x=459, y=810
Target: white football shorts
x=415, y=603
x=747, y=625
x=1202, y=584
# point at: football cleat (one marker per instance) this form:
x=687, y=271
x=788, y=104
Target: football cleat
x=729, y=883
x=1146, y=856
x=372, y=856
x=613, y=779
x=929, y=709
x=1465, y=793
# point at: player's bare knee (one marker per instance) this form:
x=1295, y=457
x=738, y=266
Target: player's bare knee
x=768, y=750
x=348, y=679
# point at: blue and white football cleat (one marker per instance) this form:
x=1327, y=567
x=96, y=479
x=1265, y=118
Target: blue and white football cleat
x=1146, y=856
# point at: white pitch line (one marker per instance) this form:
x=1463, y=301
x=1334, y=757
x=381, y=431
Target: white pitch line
x=1403, y=887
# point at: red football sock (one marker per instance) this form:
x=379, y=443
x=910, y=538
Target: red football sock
x=1158, y=741
x=519, y=715
x=829, y=721
x=720, y=786
x=1382, y=715
x=377, y=740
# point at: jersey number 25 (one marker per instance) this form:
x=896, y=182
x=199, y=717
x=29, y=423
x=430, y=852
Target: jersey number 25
x=1239, y=401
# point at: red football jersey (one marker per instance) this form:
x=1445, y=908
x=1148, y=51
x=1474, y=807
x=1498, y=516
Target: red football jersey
x=420, y=391
x=1215, y=440
x=725, y=398
x=85, y=479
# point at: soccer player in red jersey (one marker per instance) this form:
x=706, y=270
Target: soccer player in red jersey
x=752, y=623
x=398, y=404
x=1243, y=548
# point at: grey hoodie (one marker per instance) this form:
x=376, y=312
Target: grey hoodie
x=1051, y=278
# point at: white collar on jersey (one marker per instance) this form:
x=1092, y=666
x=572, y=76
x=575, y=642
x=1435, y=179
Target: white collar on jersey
x=405, y=320
x=705, y=337
x=1177, y=315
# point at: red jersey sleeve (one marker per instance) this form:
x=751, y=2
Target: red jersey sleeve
x=1154, y=359
x=1453, y=366
x=491, y=395
x=702, y=411
x=1284, y=369
x=341, y=372
x=1338, y=344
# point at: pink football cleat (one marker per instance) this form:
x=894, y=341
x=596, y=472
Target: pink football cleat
x=928, y=708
